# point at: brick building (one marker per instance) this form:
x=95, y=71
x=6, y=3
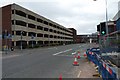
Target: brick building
x=74, y=34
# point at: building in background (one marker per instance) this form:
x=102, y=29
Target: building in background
x=117, y=19
x=82, y=39
x=93, y=38
x=74, y=34
x=90, y=38
x=21, y=26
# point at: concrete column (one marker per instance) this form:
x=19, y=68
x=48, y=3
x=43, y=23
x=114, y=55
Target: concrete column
x=36, y=42
x=27, y=34
x=27, y=42
x=14, y=32
x=14, y=43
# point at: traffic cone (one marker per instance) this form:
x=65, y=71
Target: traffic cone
x=85, y=54
x=75, y=63
x=78, y=57
x=60, y=78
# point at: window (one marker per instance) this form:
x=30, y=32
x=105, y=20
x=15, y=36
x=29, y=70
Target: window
x=54, y=26
x=12, y=22
x=58, y=27
x=31, y=34
x=58, y=37
x=61, y=28
x=12, y=11
x=12, y=32
x=39, y=35
x=45, y=29
x=45, y=22
x=22, y=23
x=51, y=36
x=54, y=31
x=31, y=25
x=58, y=32
x=39, y=20
x=50, y=24
x=23, y=33
x=18, y=32
x=20, y=13
x=55, y=36
x=40, y=27
x=51, y=30
x=31, y=17
x=46, y=35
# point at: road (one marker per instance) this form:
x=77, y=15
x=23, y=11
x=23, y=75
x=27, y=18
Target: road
x=50, y=62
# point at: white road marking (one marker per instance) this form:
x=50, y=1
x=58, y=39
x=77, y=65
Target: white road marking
x=73, y=53
x=53, y=48
x=62, y=52
x=10, y=56
x=79, y=74
x=65, y=55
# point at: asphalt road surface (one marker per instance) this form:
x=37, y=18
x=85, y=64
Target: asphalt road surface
x=50, y=62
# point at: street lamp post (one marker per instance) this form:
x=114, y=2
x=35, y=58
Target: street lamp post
x=106, y=24
x=106, y=16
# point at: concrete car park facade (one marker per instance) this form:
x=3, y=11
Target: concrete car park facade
x=28, y=28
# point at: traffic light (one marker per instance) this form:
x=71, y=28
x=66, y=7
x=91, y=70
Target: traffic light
x=103, y=32
x=103, y=28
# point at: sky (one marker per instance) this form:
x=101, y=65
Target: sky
x=83, y=15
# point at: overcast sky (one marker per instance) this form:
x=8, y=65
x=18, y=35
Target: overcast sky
x=83, y=15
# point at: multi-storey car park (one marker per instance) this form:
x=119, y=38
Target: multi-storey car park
x=27, y=28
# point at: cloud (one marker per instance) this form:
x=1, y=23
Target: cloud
x=83, y=15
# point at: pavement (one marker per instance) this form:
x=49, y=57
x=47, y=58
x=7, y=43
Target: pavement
x=49, y=62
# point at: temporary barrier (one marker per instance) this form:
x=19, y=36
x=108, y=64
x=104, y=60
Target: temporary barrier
x=104, y=69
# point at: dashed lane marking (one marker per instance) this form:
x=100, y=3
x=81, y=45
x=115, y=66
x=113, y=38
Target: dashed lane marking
x=62, y=52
